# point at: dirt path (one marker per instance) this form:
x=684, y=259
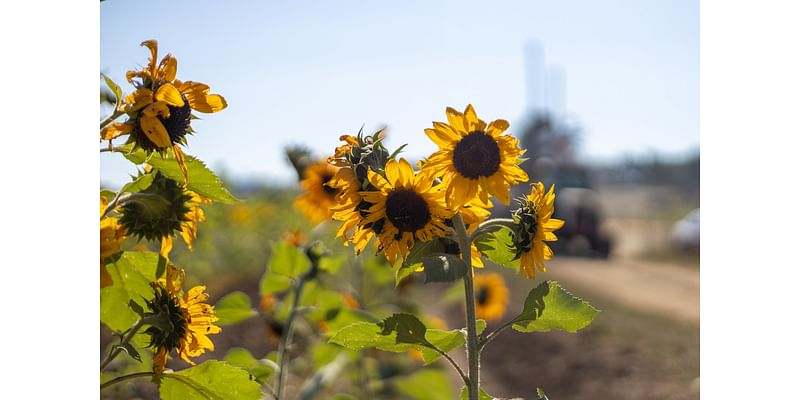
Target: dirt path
x=663, y=288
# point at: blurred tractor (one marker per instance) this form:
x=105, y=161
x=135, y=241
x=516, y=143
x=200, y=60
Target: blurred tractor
x=578, y=205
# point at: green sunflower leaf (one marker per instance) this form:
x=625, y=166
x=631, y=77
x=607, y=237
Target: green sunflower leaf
x=131, y=273
x=443, y=268
x=108, y=194
x=548, y=306
x=414, y=260
x=138, y=184
x=404, y=331
x=210, y=380
x=426, y=384
x=481, y=396
x=274, y=283
x=498, y=247
x=287, y=260
x=114, y=88
x=201, y=179
x=234, y=308
x=261, y=370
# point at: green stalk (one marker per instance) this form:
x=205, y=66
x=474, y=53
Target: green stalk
x=286, y=339
x=128, y=337
x=124, y=378
x=473, y=354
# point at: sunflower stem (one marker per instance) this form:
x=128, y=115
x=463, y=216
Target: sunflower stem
x=119, y=198
x=494, y=334
x=473, y=384
x=125, y=339
x=116, y=114
x=124, y=378
x=286, y=339
x=492, y=225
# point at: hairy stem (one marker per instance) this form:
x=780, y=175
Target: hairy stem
x=286, y=338
x=124, y=378
x=490, y=225
x=111, y=118
x=127, y=338
x=473, y=354
x=494, y=334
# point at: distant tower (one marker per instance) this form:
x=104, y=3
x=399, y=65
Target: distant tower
x=534, y=76
x=545, y=84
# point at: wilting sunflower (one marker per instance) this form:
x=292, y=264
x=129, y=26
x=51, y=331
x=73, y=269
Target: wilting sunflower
x=535, y=227
x=474, y=159
x=160, y=109
x=191, y=320
x=163, y=209
x=491, y=296
x=318, y=197
x=112, y=234
x=409, y=206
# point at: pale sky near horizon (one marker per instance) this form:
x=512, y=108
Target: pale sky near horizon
x=307, y=72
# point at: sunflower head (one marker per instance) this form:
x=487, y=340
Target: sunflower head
x=407, y=206
x=183, y=320
x=318, y=198
x=491, y=296
x=158, y=211
x=160, y=109
x=474, y=159
x=534, y=227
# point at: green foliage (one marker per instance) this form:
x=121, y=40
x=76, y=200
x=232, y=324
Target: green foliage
x=132, y=273
x=399, y=333
x=201, y=179
x=548, y=306
x=138, y=184
x=332, y=264
x=108, y=194
x=210, y=380
x=273, y=283
x=498, y=247
x=443, y=268
x=426, y=384
x=481, y=396
x=234, y=308
x=288, y=261
x=114, y=89
x=261, y=370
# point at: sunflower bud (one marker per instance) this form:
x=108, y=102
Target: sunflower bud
x=156, y=212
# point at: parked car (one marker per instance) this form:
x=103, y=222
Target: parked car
x=685, y=233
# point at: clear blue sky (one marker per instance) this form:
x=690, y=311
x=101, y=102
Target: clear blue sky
x=307, y=72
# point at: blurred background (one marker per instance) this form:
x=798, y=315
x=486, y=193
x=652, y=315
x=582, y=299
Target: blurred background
x=603, y=95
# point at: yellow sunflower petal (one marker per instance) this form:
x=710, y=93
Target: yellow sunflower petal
x=154, y=130
x=200, y=100
x=151, y=63
x=168, y=68
x=115, y=130
x=456, y=120
x=170, y=95
x=471, y=121
x=497, y=127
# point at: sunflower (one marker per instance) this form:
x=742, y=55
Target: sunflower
x=474, y=159
x=318, y=197
x=409, y=206
x=165, y=208
x=535, y=227
x=350, y=209
x=112, y=234
x=160, y=109
x=491, y=296
x=191, y=320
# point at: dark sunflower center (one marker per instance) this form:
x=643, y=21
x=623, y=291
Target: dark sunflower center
x=177, y=124
x=482, y=295
x=476, y=155
x=329, y=190
x=167, y=306
x=407, y=210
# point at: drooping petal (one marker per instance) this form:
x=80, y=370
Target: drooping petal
x=168, y=68
x=170, y=95
x=154, y=130
x=115, y=130
x=151, y=44
x=199, y=99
